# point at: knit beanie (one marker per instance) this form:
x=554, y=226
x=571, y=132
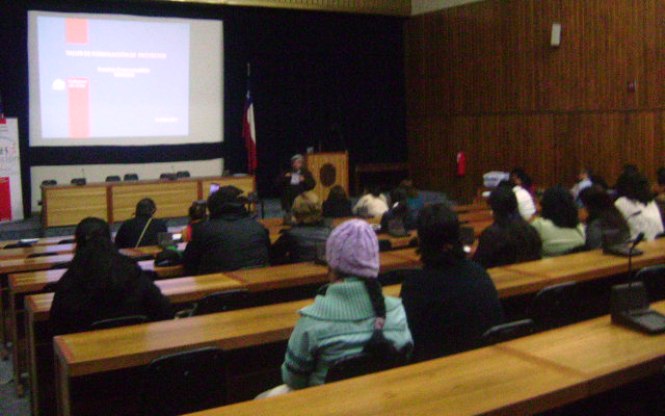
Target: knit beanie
x=353, y=249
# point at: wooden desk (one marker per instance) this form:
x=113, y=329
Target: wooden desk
x=178, y=290
x=475, y=216
x=484, y=381
x=68, y=239
x=137, y=345
x=524, y=376
x=300, y=274
x=24, y=252
x=45, y=241
x=234, y=330
x=116, y=201
x=606, y=355
x=471, y=207
x=590, y=264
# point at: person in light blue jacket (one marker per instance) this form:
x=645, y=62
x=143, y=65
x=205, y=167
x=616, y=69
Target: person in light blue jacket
x=346, y=314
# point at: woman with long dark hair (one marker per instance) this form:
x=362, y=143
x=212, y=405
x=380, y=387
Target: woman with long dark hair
x=509, y=239
x=452, y=301
x=101, y=284
x=604, y=221
x=559, y=226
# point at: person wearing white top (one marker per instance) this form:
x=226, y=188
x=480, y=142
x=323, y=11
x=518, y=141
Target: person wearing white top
x=525, y=204
x=374, y=204
x=641, y=218
x=638, y=207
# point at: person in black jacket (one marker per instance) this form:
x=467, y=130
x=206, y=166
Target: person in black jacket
x=604, y=224
x=103, y=284
x=299, y=243
x=452, y=301
x=509, y=239
x=399, y=210
x=338, y=204
x=295, y=181
x=229, y=240
x=142, y=230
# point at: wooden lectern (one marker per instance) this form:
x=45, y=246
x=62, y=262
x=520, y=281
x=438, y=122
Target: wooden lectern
x=328, y=169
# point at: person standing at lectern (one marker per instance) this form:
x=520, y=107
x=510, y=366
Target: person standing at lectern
x=295, y=182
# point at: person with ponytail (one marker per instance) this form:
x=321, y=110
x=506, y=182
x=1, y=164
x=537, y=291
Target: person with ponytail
x=452, y=301
x=102, y=284
x=348, y=315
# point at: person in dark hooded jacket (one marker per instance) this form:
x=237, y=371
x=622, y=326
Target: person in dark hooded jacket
x=229, y=240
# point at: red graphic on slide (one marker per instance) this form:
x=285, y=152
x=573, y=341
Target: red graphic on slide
x=76, y=31
x=5, y=200
x=78, y=90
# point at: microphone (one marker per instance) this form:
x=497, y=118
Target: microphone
x=637, y=241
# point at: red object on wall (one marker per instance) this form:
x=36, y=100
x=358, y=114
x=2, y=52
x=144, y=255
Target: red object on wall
x=461, y=164
x=79, y=107
x=5, y=200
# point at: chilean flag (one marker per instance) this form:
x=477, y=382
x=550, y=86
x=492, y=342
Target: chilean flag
x=249, y=132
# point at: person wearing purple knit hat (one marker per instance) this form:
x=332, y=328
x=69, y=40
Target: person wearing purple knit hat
x=346, y=314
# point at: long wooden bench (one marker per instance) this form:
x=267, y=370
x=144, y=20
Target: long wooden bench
x=183, y=290
x=525, y=376
x=79, y=359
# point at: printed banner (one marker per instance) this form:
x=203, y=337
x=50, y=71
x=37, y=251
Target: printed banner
x=11, y=195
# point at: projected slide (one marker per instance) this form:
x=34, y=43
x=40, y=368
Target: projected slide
x=103, y=78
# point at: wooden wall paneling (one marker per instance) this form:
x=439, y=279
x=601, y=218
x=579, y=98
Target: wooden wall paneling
x=520, y=48
x=491, y=83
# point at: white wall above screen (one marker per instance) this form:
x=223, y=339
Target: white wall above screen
x=98, y=173
x=121, y=80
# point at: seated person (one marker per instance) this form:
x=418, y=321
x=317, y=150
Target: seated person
x=346, y=313
x=559, y=226
x=102, y=284
x=509, y=239
x=229, y=240
x=583, y=181
x=452, y=301
x=197, y=215
x=414, y=199
x=660, y=192
x=523, y=189
x=603, y=218
x=338, y=205
x=299, y=243
x=142, y=230
x=637, y=205
x=399, y=210
x=373, y=204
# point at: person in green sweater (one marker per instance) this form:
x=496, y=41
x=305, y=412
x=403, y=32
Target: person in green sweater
x=346, y=314
x=559, y=226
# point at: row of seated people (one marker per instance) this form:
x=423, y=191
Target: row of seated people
x=444, y=307
x=230, y=239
